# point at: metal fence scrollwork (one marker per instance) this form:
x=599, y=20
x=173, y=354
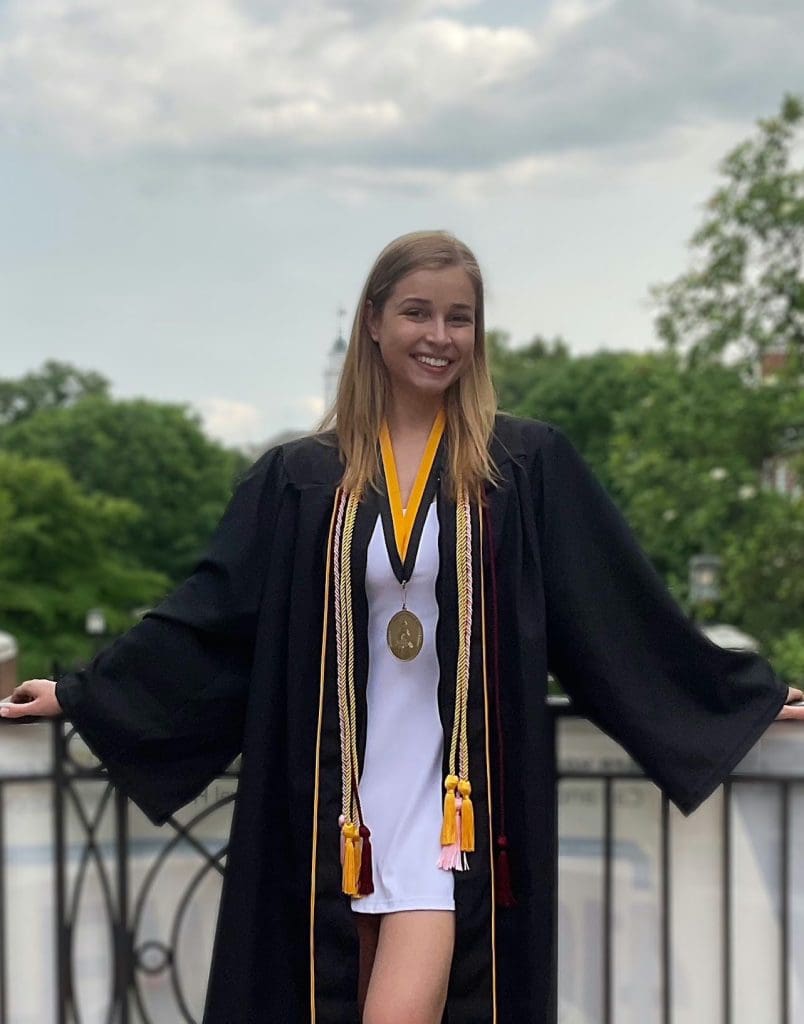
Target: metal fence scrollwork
x=154, y=891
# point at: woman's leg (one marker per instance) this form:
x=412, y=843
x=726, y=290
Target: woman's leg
x=409, y=978
x=368, y=932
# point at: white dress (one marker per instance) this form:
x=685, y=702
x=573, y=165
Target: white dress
x=401, y=785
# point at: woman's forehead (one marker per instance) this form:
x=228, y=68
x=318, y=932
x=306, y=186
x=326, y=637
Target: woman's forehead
x=436, y=284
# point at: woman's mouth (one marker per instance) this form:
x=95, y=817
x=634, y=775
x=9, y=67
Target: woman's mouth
x=433, y=361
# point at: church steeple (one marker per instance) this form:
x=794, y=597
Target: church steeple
x=335, y=359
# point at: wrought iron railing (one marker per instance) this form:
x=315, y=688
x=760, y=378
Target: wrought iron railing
x=129, y=909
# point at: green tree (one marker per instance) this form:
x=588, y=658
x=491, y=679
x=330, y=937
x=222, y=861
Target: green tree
x=55, y=386
x=59, y=557
x=763, y=585
x=582, y=395
x=515, y=370
x=787, y=655
x=744, y=295
x=687, y=460
x=154, y=455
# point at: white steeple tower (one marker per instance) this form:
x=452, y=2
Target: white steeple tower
x=334, y=365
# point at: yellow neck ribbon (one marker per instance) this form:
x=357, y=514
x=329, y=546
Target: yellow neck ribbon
x=403, y=521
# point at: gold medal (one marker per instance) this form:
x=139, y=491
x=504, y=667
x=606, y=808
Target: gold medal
x=405, y=635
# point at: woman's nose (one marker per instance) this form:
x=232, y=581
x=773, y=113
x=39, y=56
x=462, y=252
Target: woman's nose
x=438, y=329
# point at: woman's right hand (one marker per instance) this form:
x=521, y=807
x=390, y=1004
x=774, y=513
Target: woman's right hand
x=34, y=697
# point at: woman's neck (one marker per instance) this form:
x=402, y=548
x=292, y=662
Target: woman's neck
x=412, y=418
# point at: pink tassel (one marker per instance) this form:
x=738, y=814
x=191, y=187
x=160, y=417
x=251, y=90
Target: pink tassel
x=451, y=858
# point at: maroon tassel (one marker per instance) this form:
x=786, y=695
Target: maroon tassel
x=365, y=881
x=502, y=875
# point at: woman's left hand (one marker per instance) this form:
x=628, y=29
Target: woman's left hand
x=787, y=711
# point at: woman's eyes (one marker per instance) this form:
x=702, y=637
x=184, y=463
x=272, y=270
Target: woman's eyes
x=462, y=318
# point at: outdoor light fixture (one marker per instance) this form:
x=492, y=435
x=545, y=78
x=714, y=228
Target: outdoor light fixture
x=95, y=622
x=705, y=578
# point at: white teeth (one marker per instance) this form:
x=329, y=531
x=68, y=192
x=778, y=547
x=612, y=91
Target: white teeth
x=432, y=361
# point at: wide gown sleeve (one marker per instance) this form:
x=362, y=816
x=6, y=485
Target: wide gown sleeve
x=163, y=707
x=687, y=710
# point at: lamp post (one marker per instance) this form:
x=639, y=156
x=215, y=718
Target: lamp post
x=95, y=627
x=704, y=583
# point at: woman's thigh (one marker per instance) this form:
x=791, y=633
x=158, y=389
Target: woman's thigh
x=409, y=978
x=368, y=932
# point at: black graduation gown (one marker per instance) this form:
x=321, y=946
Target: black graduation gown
x=231, y=661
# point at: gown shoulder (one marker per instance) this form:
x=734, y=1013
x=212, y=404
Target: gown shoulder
x=311, y=459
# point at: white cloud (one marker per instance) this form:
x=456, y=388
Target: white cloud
x=307, y=409
x=565, y=15
x=102, y=76
x=371, y=96
x=231, y=422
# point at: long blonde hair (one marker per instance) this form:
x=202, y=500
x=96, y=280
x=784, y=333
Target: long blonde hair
x=363, y=393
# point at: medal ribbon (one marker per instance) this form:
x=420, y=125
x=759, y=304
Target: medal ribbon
x=405, y=527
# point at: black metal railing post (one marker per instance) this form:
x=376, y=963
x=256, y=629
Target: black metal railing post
x=123, y=974
x=726, y=883
x=3, y=942
x=784, y=909
x=552, y=741
x=63, y=938
x=608, y=901
x=666, y=971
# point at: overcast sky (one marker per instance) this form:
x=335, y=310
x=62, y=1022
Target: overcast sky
x=191, y=188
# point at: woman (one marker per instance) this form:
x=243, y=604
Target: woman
x=397, y=778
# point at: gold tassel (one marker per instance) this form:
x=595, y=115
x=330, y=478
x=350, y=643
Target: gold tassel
x=458, y=839
x=467, y=817
x=448, y=830
x=351, y=868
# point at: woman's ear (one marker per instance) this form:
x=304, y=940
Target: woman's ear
x=370, y=321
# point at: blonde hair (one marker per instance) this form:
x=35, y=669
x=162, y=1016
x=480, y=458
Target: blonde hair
x=470, y=403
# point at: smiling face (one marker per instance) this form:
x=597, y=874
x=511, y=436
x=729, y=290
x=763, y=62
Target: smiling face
x=426, y=331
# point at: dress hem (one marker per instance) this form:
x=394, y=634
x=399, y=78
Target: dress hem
x=390, y=906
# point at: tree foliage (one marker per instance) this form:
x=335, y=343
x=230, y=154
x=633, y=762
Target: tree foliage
x=55, y=386
x=682, y=448
x=59, y=557
x=580, y=394
x=153, y=455
x=744, y=296
x=688, y=463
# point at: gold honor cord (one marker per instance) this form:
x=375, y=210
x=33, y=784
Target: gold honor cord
x=403, y=521
x=343, y=720
x=458, y=826
x=356, y=850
